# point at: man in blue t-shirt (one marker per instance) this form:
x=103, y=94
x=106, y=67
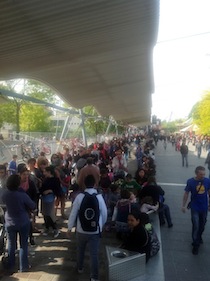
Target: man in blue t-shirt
x=199, y=186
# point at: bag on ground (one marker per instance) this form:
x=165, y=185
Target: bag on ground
x=154, y=242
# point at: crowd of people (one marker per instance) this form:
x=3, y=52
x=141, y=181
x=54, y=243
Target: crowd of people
x=43, y=185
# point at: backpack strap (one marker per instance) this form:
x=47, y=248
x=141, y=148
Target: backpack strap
x=99, y=229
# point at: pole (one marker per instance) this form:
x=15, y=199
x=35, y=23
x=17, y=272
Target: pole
x=108, y=127
x=83, y=127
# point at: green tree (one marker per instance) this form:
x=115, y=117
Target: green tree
x=35, y=118
x=9, y=111
x=94, y=124
x=25, y=115
x=39, y=91
x=169, y=127
x=201, y=114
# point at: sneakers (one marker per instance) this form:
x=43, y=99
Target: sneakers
x=195, y=250
x=80, y=271
x=56, y=233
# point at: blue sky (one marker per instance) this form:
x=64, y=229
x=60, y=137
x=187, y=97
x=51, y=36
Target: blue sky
x=181, y=57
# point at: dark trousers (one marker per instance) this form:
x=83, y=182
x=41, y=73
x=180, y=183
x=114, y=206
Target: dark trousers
x=164, y=213
x=49, y=222
x=198, y=226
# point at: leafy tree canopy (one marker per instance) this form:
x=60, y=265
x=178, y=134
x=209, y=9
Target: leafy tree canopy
x=94, y=125
x=201, y=114
x=23, y=114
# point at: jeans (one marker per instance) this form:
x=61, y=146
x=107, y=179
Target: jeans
x=164, y=212
x=93, y=241
x=12, y=232
x=198, y=225
x=185, y=159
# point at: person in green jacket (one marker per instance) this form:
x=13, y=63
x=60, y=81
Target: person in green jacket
x=131, y=185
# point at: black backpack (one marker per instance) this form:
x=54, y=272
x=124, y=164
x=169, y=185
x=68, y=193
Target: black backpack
x=89, y=212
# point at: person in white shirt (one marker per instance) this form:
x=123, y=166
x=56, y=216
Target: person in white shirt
x=85, y=237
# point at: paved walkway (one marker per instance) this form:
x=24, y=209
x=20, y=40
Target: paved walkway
x=179, y=263
x=55, y=259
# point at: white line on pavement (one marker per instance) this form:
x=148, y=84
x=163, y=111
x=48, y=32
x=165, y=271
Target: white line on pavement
x=171, y=184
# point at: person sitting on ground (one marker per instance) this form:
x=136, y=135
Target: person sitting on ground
x=147, y=205
x=121, y=211
x=130, y=184
x=151, y=189
x=155, y=191
x=137, y=239
x=149, y=166
x=141, y=177
x=119, y=164
x=164, y=212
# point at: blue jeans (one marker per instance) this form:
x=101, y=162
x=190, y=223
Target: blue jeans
x=164, y=212
x=12, y=232
x=93, y=241
x=198, y=225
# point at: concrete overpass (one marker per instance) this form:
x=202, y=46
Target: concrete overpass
x=91, y=52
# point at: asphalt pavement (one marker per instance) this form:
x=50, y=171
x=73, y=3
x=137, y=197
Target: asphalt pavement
x=179, y=262
x=55, y=259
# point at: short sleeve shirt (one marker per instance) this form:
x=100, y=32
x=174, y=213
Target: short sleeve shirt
x=199, y=193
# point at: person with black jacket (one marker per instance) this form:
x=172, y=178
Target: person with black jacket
x=137, y=240
x=155, y=191
x=50, y=189
x=184, y=153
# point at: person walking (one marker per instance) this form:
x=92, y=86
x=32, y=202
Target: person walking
x=199, y=187
x=199, y=148
x=50, y=190
x=207, y=161
x=84, y=237
x=18, y=206
x=184, y=153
